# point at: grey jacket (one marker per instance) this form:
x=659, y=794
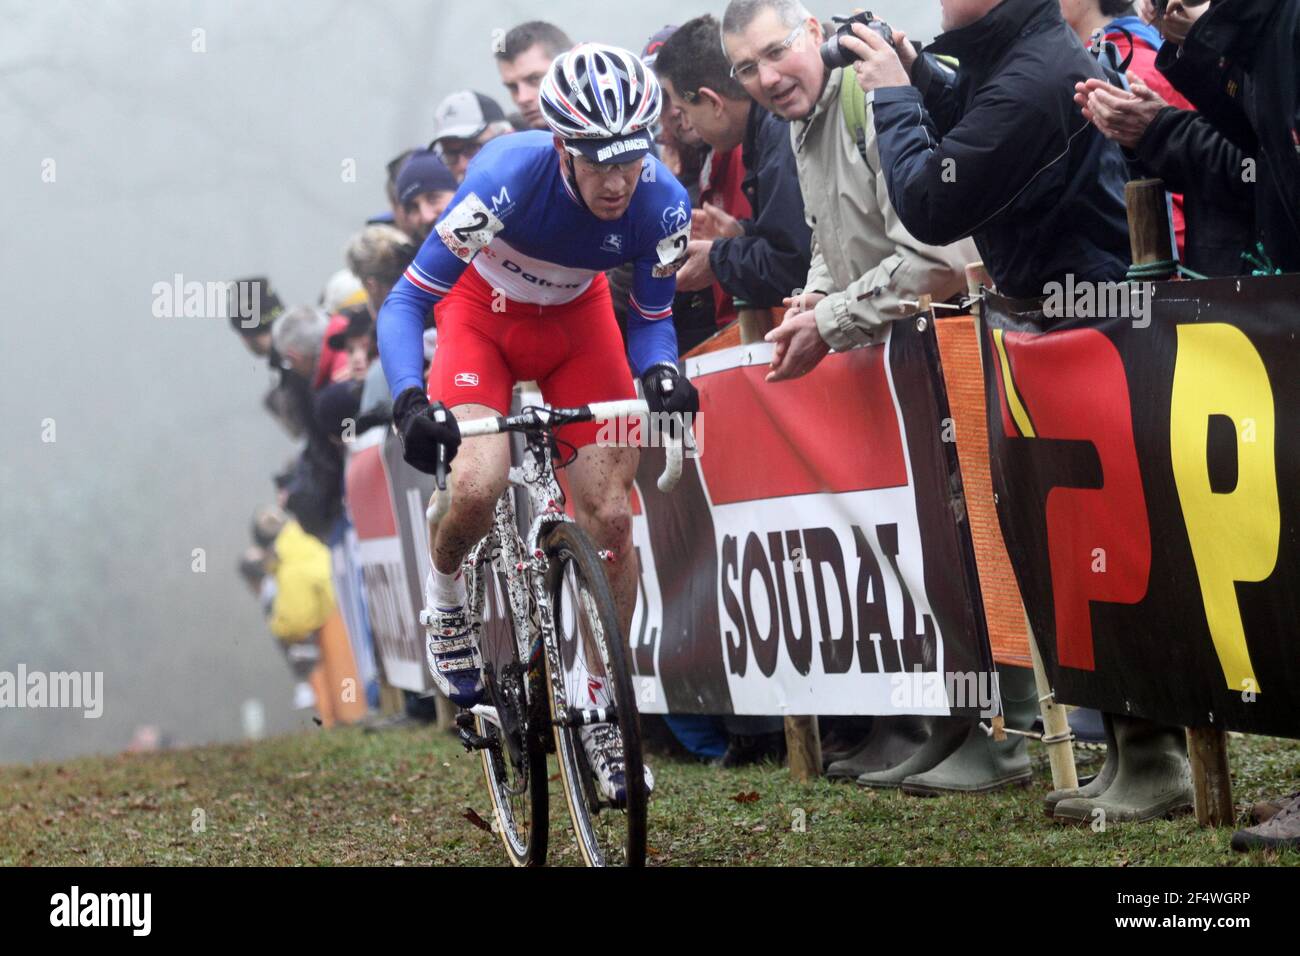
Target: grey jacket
x=862, y=257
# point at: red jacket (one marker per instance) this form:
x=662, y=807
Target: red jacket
x=720, y=184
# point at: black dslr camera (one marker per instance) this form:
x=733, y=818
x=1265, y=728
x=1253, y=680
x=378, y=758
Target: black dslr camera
x=833, y=53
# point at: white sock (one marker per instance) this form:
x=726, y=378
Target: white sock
x=446, y=590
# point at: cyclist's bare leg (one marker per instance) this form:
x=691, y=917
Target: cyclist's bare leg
x=479, y=475
x=601, y=480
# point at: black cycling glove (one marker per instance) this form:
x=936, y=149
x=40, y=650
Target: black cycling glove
x=667, y=390
x=423, y=428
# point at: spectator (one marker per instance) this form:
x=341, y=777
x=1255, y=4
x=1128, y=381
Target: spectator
x=756, y=260
x=341, y=289
x=522, y=60
x=314, y=492
x=379, y=255
x=1189, y=154
x=297, y=336
x=303, y=602
x=463, y=123
x=1239, y=66
x=1046, y=204
x=424, y=188
x=356, y=341
x=1112, y=25
x=400, y=218
x=866, y=269
x=996, y=151
x=253, y=295
x=683, y=152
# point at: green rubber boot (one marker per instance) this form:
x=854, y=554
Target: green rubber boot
x=981, y=764
x=945, y=736
x=1099, y=783
x=890, y=741
x=1152, y=777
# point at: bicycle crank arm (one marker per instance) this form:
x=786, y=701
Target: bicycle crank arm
x=575, y=717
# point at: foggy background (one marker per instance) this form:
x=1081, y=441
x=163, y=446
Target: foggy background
x=214, y=165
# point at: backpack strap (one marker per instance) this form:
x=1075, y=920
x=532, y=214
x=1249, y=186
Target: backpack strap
x=853, y=104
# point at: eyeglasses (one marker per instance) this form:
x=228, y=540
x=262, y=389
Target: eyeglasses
x=748, y=70
x=450, y=154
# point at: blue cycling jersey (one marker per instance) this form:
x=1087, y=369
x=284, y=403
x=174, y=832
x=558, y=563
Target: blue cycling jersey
x=518, y=222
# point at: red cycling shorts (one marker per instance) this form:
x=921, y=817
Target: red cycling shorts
x=573, y=351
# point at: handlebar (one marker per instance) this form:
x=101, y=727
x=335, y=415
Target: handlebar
x=534, y=420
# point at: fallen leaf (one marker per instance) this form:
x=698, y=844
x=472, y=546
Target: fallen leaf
x=749, y=797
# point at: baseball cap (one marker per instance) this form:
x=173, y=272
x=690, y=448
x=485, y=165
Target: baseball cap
x=465, y=115
x=241, y=293
x=424, y=173
x=651, y=51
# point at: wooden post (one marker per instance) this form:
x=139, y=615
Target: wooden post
x=1207, y=752
x=1149, y=236
x=1056, y=728
x=754, y=323
x=803, y=741
x=1207, y=747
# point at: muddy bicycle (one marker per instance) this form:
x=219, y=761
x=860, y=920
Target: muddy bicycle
x=556, y=622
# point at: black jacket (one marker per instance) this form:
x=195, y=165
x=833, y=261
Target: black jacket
x=1000, y=152
x=1195, y=159
x=771, y=259
x=1239, y=65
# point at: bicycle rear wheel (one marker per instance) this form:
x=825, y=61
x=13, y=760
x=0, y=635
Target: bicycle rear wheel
x=514, y=762
x=585, y=617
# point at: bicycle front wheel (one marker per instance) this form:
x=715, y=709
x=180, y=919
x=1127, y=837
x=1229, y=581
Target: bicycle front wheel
x=514, y=760
x=590, y=643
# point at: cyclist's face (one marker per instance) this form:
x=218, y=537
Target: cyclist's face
x=523, y=79
x=606, y=188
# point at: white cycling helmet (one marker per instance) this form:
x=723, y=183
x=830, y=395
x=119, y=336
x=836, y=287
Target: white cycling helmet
x=602, y=101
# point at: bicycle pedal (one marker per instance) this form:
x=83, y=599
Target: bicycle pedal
x=472, y=741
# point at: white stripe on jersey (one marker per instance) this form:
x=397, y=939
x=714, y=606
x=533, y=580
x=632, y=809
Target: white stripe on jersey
x=525, y=279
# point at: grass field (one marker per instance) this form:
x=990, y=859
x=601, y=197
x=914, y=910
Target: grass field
x=407, y=797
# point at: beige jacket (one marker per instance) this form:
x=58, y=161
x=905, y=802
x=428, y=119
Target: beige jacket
x=861, y=254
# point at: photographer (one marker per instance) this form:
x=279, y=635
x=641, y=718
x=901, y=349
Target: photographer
x=866, y=266
x=998, y=150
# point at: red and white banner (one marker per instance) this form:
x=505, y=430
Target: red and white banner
x=815, y=557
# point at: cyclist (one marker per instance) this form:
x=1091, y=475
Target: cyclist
x=515, y=266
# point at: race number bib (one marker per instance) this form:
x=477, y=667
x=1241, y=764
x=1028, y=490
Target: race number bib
x=468, y=228
x=672, y=253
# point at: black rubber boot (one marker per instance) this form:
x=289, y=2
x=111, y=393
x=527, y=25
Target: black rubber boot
x=1099, y=783
x=1152, y=778
x=981, y=764
x=891, y=741
x=945, y=735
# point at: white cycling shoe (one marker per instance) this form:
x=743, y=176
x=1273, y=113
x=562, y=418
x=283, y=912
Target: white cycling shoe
x=604, y=748
x=451, y=651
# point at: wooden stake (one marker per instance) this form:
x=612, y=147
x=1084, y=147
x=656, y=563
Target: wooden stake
x=1060, y=752
x=803, y=741
x=1207, y=752
x=1148, y=222
x=754, y=324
